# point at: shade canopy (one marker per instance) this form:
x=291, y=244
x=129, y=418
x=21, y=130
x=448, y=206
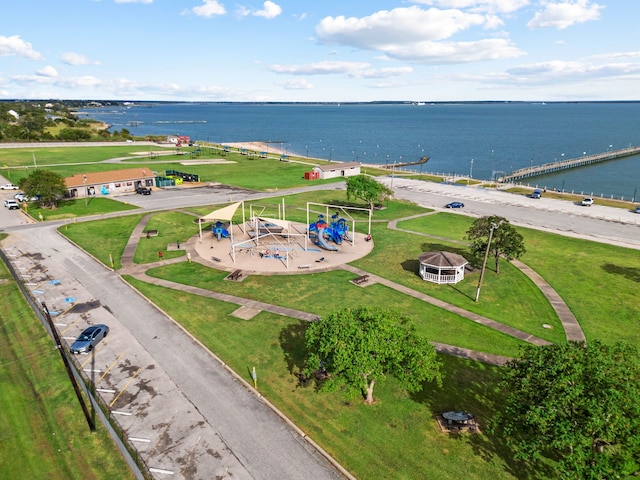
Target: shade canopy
x=224, y=213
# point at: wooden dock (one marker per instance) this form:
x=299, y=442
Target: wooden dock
x=537, y=170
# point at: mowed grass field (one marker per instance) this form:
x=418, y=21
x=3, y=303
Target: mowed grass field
x=43, y=432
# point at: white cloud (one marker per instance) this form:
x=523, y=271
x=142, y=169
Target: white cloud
x=14, y=45
x=400, y=25
x=269, y=10
x=72, y=58
x=209, y=8
x=350, y=69
x=296, y=84
x=494, y=6
x=320, y=68
x=133, y=1
x=415, y=34
x=381, y=72
x=443, y=53
x=565, y=14
x=47, y=71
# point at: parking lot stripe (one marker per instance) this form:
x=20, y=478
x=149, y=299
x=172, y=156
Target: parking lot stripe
x=125, y=387
x=110, y=367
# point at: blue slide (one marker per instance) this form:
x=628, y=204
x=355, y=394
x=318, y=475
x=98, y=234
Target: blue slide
x=321, y=241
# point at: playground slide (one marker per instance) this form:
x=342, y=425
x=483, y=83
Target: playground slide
x=220, y=233
x=322, y=242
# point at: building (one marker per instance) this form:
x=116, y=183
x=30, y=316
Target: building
x=114, y=182
x=442, y=267
x=334, y=170
x=179, y=140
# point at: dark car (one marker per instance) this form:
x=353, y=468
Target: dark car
x=455, y=205
x=143, y=191
x=89, y=338
x=537, y=193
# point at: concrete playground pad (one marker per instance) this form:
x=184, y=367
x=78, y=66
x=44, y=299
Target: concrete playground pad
x=277, y=253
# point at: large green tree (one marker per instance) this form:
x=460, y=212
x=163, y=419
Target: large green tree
x=367, y=189
x=355, y=347
x=578, y=404
x=506, y=242
x=47, y=184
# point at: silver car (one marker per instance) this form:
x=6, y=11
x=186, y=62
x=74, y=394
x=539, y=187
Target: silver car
x=89, y=338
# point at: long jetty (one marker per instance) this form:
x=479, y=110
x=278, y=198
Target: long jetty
x=537, y=170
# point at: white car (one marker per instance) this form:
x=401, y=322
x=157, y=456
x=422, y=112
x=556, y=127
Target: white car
x=9, y=186
x=11, y=204
x=587, y=202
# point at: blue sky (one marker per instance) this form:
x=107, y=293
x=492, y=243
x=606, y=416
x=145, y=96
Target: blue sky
x=324, y=50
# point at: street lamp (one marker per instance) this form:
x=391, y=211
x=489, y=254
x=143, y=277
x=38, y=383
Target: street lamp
x=84, y=186
x=486, y=256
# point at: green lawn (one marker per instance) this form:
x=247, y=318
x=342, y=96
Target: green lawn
x=43, y=433
x=397, y=437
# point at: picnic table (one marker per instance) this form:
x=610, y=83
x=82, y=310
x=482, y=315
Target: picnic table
x=457, y=417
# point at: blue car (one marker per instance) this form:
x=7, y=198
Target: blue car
x=455, y=205
x=89, y=338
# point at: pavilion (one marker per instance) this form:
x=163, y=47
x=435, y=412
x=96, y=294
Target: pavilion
x=442, y=267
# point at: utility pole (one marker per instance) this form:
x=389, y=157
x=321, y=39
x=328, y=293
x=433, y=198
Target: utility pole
x=484, y=262
x=67, y=366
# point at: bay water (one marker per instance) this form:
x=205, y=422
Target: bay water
x=480, y=140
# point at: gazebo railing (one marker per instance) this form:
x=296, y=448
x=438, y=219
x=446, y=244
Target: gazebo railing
x=434, y=277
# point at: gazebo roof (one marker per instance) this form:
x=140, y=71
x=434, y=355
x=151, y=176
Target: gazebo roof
x=442, y=259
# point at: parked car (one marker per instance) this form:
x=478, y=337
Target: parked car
x=537, y=193
x=11, y=204
x=455, y=205
x=9, y=186
x=587, y=202
x=89, y=338
x=637, y=210
x=143, y=191
x=22, y=197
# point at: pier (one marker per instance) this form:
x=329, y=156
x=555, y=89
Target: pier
x=537, y=170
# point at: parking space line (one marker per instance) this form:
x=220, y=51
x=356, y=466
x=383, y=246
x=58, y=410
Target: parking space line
x=105, y=390
x=115, y=362
x=125, y=387
x=138, y=439
x=117, y=412
x=160, y=470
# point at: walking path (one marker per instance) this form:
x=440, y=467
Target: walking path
x=572, y=328
x=249, y=308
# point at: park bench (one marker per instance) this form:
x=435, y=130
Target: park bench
x=301, y=267
x=361, y=279
x=216, y=259
x=150, y=233
x=236, y=275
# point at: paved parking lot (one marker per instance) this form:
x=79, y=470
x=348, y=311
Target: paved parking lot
x=185, y=413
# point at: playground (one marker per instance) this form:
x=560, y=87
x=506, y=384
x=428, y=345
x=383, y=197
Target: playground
x=268, y=244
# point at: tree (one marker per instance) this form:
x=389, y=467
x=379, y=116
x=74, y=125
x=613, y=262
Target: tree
x=47, y=184
x=576, y=403
x=505, y=242
x=367, y=189
x=354, y=348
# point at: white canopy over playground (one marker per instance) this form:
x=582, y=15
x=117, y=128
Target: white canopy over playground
x=269, y=235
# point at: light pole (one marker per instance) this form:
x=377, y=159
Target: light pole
x=486, y=256
x=470, y=171
x=84, y=186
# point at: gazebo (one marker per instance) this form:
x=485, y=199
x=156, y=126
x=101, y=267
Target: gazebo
x=442, y=267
